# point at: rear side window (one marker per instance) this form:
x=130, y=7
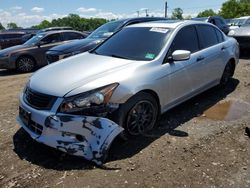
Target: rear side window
x=207, y=36
x=72, y=36
x=186, y=39
x=219, y=36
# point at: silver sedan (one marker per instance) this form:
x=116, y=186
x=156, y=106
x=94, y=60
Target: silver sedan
x=80, y=104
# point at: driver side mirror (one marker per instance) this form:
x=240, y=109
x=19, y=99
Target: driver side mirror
x=181, y=55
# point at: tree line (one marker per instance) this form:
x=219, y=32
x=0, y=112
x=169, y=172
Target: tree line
x=229, y=9
x=72, y=20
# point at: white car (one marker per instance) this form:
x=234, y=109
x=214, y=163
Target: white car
x=80, y=104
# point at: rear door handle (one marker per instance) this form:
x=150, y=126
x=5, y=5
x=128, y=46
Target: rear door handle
x=223, y=48
x=200, y=58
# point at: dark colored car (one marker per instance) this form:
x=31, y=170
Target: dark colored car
x=216, y=20
x=8, y=39
x=54, y=29
x=31, y=54
x=95, y=38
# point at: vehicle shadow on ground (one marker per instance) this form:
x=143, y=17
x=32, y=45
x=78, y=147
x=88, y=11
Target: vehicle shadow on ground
x=46, y=157
x=8, y=72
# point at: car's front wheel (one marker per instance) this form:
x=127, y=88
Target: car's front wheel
x=25, y=64
x=138, y=115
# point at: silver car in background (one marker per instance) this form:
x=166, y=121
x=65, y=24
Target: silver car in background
x=80, y=104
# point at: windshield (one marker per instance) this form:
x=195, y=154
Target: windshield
x=135, y=43
x=34, y=40
x=105, y=30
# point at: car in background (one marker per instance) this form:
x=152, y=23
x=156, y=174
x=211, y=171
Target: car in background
x=238, y=22
x=242, y=35
x=216, y=20
x=81, y=104
x=95, y=38
x=31, y=54
x=54, y=29
x=8, y=39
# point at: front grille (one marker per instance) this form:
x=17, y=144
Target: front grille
x=51, y=58
x=35, y=127
x=38, y=100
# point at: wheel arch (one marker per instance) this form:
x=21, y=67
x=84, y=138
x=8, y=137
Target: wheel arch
x=155, y=95
x=25, y=55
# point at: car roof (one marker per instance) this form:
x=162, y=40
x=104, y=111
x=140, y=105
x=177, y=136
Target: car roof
x=11, y=32
x=60, y=31
x=172, y=24
x=139, y=19
x=244, y=17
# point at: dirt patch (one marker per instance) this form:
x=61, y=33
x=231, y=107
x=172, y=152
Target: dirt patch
x=183, y=151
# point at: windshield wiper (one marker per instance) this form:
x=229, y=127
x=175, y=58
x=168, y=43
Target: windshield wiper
x=117, y=56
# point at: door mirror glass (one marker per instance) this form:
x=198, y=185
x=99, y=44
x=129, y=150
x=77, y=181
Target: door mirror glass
x=181, y=55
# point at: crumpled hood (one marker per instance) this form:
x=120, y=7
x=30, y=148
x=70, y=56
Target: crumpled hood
x=74, y=46
x=62, y=77
x=242, y=31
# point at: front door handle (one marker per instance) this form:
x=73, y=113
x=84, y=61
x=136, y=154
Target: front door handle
x=223, y=48
x=200, y=58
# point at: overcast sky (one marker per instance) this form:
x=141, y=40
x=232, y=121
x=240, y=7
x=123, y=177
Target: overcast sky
x=30, y=12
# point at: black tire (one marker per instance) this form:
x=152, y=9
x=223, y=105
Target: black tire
x=25, y=64
x=227, y=74
x=138, y=115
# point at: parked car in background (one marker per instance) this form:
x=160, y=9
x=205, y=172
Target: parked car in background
x=242, y=35
x=124, y=84
x=216, y=20
x=238, y=22
x=31, y=54
x=54, y=29
x=95, y=38
x=8, y=39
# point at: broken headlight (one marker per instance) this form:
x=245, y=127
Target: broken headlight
x=87, y=100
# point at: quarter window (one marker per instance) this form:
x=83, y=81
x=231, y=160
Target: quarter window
x=186, y=39
x=207, y=36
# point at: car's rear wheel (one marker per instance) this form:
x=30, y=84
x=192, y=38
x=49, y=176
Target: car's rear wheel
x=138, y=115
x=227, y=74
x=25, y=64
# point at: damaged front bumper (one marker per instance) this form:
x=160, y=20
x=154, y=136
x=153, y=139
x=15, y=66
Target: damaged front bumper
x=85, y=136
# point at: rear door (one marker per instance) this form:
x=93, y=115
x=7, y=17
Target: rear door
x=212, y=53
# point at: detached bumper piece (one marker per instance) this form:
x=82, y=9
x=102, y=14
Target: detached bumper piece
x=88, y=137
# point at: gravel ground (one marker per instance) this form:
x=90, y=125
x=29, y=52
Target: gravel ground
x=200, y=143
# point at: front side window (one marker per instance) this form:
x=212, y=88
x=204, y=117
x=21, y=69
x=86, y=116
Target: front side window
x=186, y=39
x=135, y=43
x=207, y=36
x=51, y=38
